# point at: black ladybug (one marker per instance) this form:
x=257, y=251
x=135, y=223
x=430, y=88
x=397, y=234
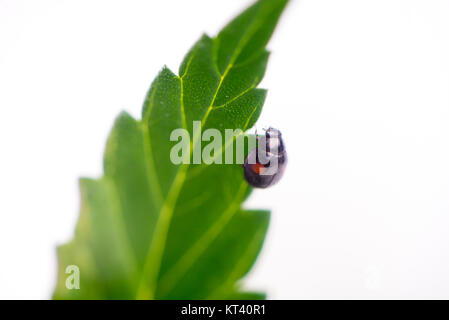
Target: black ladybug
x=265, y=164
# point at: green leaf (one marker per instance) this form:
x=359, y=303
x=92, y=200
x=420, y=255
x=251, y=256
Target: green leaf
x=150, y=229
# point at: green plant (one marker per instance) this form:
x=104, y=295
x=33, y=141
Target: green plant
x=150, y=229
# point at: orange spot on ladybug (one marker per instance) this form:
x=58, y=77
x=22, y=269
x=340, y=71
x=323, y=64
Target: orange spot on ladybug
x=258, y=168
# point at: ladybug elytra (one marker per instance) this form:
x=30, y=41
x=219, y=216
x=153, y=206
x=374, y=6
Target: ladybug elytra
x=265, y=164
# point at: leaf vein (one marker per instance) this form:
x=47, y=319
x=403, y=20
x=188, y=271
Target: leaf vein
x=198, y=248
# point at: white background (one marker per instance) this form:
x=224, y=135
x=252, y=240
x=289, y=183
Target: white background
x=360, y=90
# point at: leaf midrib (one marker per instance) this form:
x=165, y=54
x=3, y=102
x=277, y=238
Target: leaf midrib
x=187, y=260
x=146, y=291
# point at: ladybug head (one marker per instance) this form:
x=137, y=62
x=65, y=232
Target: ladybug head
x=272, y=133
x=274, y=140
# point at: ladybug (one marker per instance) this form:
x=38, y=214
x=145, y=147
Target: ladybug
x=265, y=164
